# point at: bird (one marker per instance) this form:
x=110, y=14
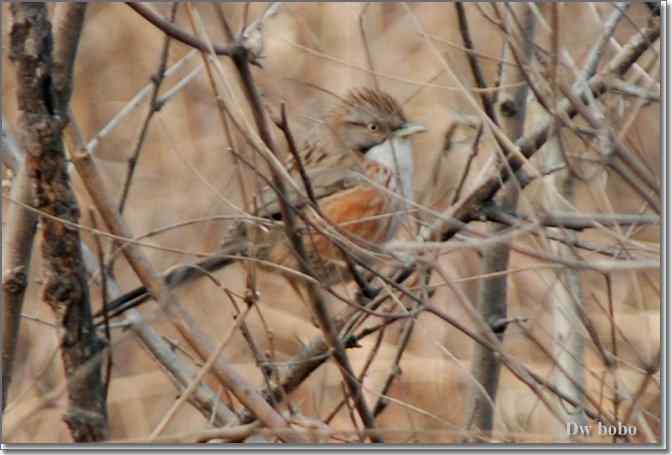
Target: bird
x=359, y=166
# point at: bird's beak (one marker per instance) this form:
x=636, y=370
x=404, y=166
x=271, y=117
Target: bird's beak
x=408, y=129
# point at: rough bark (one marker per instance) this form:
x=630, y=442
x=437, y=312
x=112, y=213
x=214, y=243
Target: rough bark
x=65, y=285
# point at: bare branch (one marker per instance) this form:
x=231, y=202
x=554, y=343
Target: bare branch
x=530, y=143
x=66, y=289
x=69, y=22
x=241, y=60
x=492, y=297
x=176, y=33
x=154, y=107
x=569, y=220
x=134, y=102
x=17, y=250
x=475, y=66
x=621, y=151
x=247, y=395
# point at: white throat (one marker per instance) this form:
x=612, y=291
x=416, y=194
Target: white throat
x=395, y=154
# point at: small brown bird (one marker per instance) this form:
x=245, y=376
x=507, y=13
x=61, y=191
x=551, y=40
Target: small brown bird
x=360, y=168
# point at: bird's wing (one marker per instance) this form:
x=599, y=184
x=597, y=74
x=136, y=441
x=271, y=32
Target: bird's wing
x=327, y=170
x=360, y=213
x=324, y=182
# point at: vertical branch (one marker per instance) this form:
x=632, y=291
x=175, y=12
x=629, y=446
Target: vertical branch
x=17, y=251
x=512, y=109
x=476, y=70
x=68, y=22
x=566, y=292
x=560, y=197
x=43, y=90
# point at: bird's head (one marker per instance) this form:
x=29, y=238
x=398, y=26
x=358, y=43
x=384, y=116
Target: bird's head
x=366, y=118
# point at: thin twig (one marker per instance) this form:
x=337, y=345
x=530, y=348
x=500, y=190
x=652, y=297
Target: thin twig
x=395, y=370
x=139, y=97
x=569, y=220
x=219, y=10
x=154, y=107
x=209, y=364
x=104, y=294
x=365, y=43
x=316, y=297
x=519, y=370
x=620, y=149
x=474, y=64
x=530, y=143
x=467, y=166
x=248, y=395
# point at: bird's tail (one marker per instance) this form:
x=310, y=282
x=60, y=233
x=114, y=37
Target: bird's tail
x=176, y=277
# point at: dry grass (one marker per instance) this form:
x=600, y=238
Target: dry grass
x=186, y=172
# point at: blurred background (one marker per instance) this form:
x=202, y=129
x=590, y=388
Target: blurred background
x=185, y=172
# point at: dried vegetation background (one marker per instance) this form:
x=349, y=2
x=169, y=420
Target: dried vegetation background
x=185, y=172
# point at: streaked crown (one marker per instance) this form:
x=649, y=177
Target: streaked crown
x=365, y=118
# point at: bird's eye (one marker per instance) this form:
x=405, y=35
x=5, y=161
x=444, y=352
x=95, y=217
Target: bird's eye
x=372, y=127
